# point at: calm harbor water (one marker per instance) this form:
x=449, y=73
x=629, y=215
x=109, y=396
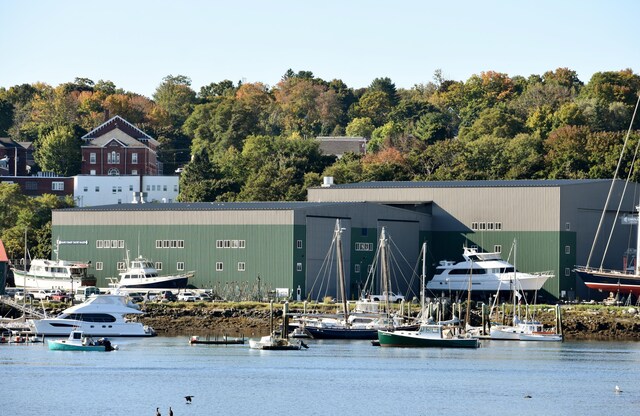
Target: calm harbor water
x=330, y=378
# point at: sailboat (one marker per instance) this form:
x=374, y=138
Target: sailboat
x=522, y=330
x=348, y=326
x=430, y=334
x=626, y=280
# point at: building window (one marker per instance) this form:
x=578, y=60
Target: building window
x=497, y=248
x=241, y=266
x=31, y=186
x=180, y=266
x=180, y=243
x=498, y=226
x=242, y=243
x=134, y=171
x=298, y=267
x=130, y=188
x=85, y=189
x=158, y=243
x=567, y=271
x=490, y=226
x=114, y=243
x=113, y=158
x=114, y=189
x=369, y=268
x=219, y=244
x=364, y=232
x=92, y=158
x=567, y=226
x=227, y=243
x=474, y=226
x=134, y=158
x=92, y=172
x=482, y=226
x=121, y=266
x=175, y=188
x=99, y=244
x=57, y=186
x=219, y=266
x=120, y=243
x=99, y=265
x=235, y=243
x=158, y=265
x=567, y=249
x=119, y=188
x=148, y=188
x=164, y=188
x=298, y=243
x=97, y=189
x=356, y=268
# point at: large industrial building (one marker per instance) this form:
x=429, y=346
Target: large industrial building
x=538, y=225
x=278, y=245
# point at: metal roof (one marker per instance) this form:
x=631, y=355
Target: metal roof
x=208, y=206
x=467, y=184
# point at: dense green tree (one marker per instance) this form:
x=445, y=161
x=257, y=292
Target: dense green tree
x=433, y=126
x=360, y=127
x=175, y=96
x=375, y=105
x=59, y=151
x=565, y=153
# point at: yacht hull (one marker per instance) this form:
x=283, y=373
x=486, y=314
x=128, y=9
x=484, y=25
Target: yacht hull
x=610, y=281
x=412, y=339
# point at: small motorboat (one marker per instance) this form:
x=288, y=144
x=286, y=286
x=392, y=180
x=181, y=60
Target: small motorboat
x=77, y=341
x=274, y=342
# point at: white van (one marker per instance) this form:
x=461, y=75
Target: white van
x=81, y=294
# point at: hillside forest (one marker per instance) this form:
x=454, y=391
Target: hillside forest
x=239, y=141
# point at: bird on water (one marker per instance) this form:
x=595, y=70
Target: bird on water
x=617, y=389
x=158, y=411
x=170, y=411
x=188, y=398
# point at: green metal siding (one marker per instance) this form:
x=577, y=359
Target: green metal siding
x=268, y=251
x=362, y=258
x=535, y=252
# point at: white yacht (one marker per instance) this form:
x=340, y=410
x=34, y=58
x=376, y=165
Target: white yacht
x=486, y=272
x=142, y=274
x=54, y=275
x=98, y=316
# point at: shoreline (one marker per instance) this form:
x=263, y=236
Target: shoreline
x=579, y=322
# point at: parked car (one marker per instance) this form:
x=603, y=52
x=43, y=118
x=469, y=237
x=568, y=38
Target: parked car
x=167, y=296
x=21, y=295
x=60, y=297
x=188, y=297
x=136, y=297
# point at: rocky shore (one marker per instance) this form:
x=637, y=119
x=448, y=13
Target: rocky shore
x=579, y=321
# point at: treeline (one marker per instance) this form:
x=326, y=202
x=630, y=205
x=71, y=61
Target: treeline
x=251, y=141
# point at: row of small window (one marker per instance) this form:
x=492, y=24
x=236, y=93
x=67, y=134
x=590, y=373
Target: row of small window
x=241, y=266
x=112, y=158
x=230, y=243
x=169, y=243
x=109, y=243
x=486, y=226
x=364, y=246
x=121, y=265
x=114, y=189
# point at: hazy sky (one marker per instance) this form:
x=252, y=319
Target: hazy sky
x=136, y=43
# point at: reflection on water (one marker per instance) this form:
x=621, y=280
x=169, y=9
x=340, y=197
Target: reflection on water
x=350, y=377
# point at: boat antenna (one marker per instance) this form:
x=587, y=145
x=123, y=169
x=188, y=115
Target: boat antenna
x=615, y=175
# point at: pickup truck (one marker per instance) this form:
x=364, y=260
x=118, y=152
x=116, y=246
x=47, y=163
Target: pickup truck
x=394, y=298
x=43, y=294
x=60, y=297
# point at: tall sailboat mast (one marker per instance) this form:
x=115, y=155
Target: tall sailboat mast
x=340, y=265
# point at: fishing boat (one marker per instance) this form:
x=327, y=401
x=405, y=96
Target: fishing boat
x=430, y=334
x=141, y=273
x=98, y=316
x=53, y=274
x=487, y=271
x=276, y=343
x=77, y=341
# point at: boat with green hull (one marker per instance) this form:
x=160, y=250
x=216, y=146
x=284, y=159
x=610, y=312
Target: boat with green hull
x=427, y=336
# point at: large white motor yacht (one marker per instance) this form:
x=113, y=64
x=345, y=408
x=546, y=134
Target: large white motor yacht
x=98, y=316
x=486, y=272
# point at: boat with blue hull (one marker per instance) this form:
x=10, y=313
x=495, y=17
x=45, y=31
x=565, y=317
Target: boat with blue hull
x=142, y=274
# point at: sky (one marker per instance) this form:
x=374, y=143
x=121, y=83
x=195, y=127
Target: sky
x=137, y=43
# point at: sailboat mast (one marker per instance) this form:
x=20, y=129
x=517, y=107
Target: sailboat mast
x=424, y=276
x=384, y=267
x=637, y=268
x=341, y=278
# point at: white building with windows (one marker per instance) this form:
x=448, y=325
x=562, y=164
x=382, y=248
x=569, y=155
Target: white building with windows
x=91, y=191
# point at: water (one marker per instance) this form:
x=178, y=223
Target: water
x=330, y=378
